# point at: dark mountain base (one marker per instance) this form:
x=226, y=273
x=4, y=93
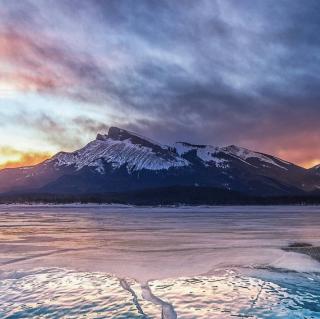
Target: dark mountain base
x=162, y=196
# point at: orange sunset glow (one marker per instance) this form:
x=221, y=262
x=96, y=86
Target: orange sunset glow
x=10, y=158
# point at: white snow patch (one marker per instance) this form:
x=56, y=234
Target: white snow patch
x=118, y=153
x=206, y=153
x=316, y=168
x=245, y=154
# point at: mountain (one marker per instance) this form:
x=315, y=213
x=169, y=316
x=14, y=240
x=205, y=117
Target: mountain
x=315, y=170
x=122, y=161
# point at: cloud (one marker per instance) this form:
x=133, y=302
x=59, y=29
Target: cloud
x=219, y=72
x=59, y=132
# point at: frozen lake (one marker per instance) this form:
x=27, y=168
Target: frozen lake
x=128, y=262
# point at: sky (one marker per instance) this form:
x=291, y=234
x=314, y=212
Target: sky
x=211, y=72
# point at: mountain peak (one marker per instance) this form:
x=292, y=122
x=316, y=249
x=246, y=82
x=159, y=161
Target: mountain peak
x=115, y=133
x=119, y=134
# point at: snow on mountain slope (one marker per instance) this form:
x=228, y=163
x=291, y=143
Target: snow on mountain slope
x=123, y=148
x=211, y=155
x=228, y=167
x=207, y=153
x=120, y=148
x=245, y=154
x=315, y=169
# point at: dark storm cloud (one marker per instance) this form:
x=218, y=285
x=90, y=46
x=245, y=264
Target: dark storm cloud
x=67, y=134
x=218, y=71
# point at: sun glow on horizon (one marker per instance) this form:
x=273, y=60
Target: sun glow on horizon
x=11, y=158
x=311, y=163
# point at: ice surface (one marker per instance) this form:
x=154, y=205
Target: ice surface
x=65, y=294
x=125, y=262
x=154, y=243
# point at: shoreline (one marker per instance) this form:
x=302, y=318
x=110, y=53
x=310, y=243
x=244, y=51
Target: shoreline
x=115, y=205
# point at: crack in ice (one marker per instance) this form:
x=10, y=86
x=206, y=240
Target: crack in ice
x=167, y=311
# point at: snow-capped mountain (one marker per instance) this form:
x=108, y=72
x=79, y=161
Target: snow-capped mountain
x=123, y=161
x=121, y=148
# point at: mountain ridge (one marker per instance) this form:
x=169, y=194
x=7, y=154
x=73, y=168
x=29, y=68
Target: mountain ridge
x=123, y=161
